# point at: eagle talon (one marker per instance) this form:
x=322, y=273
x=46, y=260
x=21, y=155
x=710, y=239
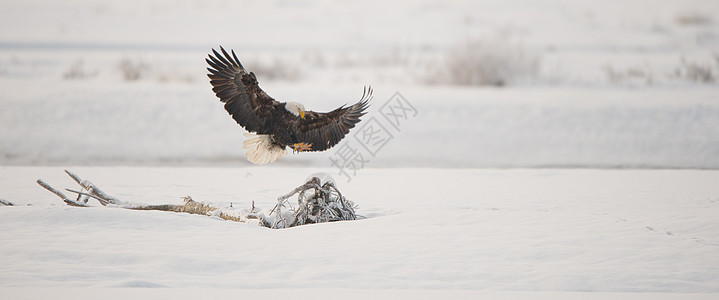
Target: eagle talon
x=299, y=147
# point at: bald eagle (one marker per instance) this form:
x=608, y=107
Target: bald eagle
x=276, y=125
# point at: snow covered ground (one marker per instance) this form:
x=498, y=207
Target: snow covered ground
x=607, y=231
x=590, y=173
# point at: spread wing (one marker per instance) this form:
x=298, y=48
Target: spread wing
x=244, y=100
x=324, y=130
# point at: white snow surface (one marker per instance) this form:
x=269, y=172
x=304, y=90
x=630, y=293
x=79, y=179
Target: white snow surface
x=551, y=230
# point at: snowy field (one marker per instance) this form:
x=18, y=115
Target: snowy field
x=548, y=230
x=548, y=149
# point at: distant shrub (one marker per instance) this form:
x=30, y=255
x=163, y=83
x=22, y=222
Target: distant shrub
x=696, y=72
x=492, y=62
x=633, y=74
x=692, y=71
x=132, y=70
x=693, y=19
x=77, y=71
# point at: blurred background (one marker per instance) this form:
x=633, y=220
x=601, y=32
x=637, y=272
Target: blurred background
x=546, y=83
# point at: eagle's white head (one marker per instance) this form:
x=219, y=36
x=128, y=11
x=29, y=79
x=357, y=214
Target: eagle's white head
x=296, y=109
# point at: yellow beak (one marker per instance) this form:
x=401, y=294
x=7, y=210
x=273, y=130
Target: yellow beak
x=302, y=114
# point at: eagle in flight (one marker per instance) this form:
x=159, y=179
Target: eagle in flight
x=276, y=125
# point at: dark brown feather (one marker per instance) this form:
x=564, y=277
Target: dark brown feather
x=325, y=130
x=244, y=100
x=257, y=112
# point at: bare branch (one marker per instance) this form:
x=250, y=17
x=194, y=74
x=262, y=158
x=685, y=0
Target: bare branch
x=60, y=194
x=94, y=190
x=102, y=201
x=75, y=177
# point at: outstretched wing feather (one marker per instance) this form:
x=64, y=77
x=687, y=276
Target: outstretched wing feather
x=325, y=130
x=244, y=100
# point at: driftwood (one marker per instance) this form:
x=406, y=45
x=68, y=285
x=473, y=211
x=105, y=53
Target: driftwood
x=191, y=207
x=324, y=204
x=93, y=191
x=60, y=194
x=316, y=203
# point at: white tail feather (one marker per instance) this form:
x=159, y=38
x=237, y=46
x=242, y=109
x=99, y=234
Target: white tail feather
x=261, y=150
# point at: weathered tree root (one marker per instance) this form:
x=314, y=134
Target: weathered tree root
x=325, y=204
x=316, y=203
